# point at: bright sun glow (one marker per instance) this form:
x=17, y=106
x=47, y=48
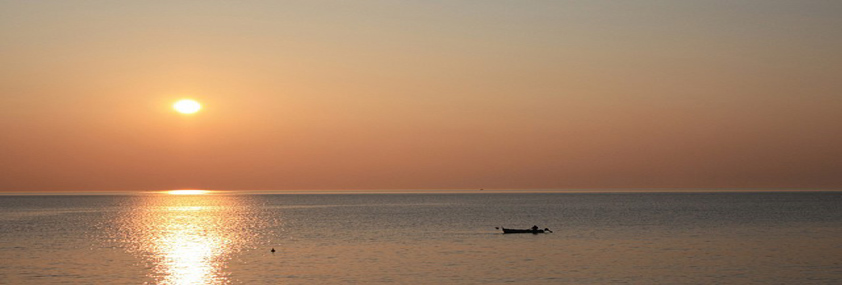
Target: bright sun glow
x=188, y=192
x=187, y=106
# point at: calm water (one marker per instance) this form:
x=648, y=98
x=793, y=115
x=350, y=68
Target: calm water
x=643, y=238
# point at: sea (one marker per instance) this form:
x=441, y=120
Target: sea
x=423, y=238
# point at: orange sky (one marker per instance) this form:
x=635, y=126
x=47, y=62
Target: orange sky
x=420, y=95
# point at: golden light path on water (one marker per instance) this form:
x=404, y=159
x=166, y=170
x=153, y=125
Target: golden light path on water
x=188, y=192
x=186, y=247
x=187, y=239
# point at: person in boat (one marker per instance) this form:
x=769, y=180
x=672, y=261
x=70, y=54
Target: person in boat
x=535, y=228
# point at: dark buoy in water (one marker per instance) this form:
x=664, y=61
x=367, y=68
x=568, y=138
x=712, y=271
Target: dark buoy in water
x=273, y=250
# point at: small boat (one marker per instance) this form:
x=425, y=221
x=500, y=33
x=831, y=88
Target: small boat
x=526, y=231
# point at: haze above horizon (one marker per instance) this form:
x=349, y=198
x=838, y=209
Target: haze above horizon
x=420, y=95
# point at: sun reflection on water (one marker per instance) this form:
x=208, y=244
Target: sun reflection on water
x=189, y=239
x=188, y=247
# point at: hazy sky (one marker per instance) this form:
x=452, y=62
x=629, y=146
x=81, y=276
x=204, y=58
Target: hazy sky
x=420, y=94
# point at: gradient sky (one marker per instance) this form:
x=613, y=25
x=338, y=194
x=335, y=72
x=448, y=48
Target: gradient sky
x=420, y=94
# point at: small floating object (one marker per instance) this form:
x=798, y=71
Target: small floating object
x=273, y=250
x=533, y=230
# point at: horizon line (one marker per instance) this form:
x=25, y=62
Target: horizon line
x=421, y=191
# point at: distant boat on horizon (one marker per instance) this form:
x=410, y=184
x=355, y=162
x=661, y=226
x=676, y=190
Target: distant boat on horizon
x=525, y=231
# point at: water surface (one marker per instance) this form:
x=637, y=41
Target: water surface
x=644, y=238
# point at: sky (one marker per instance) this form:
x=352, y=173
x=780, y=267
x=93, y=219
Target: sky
x=420, y=95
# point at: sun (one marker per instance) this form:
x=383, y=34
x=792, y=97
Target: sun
x=187, y=106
